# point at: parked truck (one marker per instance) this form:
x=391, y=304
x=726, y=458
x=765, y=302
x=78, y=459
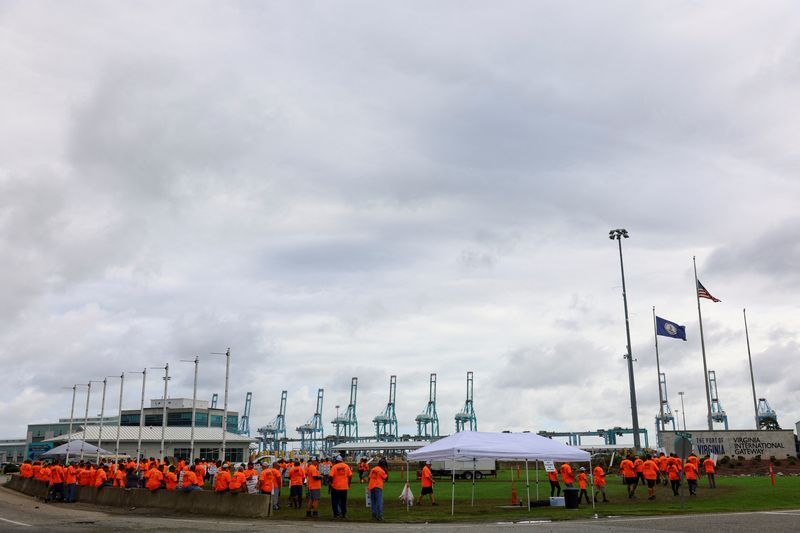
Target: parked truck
x=464, y=468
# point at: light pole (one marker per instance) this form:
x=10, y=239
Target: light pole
x=337, y=424
x=102, y=414
x=86, y=414
x=683, y=410
x=141, y=418
x=163, y=407
x=119, y=415
x=227, y=355
x=71, y=417
x=618, y=235
x=196, y=362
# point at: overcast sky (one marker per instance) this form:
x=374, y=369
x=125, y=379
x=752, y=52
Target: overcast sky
x=338, y=189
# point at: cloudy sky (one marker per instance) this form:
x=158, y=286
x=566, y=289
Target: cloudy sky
x=338, y=189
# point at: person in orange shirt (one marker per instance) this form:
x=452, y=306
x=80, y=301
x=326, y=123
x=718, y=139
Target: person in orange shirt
x=57, y=478
x=567, y=475
x=238, y=481
x=223, y=479
x=638, y=464
x=266, y=481
x=376, y=478
x=200, y=472
x=250, y=472
x=37, y=465
x=600, y=482
x=650, y=472
x=100, y=477
x=628, y=472
x=340, y=477
x=363, y=470
x=189, y=481
x=690, y=471
x=170, y=478
x=674, y=474
x=154, y=478
x=426, y=483
x=296, y=476
x=26, y=469
x=314, y=481
x=582, y=482
x=708, y=468
x=555, y=486
x=661, y=461
x=277, y=483
x=70, y=483
x=119, y=477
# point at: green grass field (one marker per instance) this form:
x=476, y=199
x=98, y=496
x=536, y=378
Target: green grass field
x=732, y=494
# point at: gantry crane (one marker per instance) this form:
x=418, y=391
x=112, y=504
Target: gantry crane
x=717, y=412
x=312, y=433
x=346, y=424
x=386, y=422
x=466, y=419
x=244, y=421
x=767, y=419
x=273, y=435
x=664, y=415
x=428, y=420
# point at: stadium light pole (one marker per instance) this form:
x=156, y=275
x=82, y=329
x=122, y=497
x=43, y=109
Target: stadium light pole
x=683, y=410
x=196, y=362
x=227, y=355
x=619, y=234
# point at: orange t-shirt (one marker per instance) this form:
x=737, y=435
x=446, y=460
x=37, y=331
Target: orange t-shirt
x=266, y=480
x=427, y=477
x=154, y=478
x=708, y=466
x=171, y=480
x=626, y=467
x=341, y=474
x=691, y=470
x=649, y=469
x=189, y=478
x=363, y=466
x=566, y=474
x=70, y=475
x=99, y=478
x=296, y=476
x=26, y=470
x=376, y=478
x=599, y=476
x=311, y=473
x=553, y=476
x=582, y=480
x=238, y=479
x=222, y=481
x=638, y=465
x=662, y=462
x=673, y=472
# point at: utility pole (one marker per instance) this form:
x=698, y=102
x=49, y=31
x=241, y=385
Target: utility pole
x=71, y=416
x=227, y=355
x=86, y=416
x=163, y=408
x=102, y=413
x=194, y=405
x=618, y=235
x=119, y=419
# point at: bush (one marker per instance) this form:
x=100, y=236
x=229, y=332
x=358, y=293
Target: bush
x=757, y=459
x=792, y=460
x=740, y=458
x=10, y=468
x=725, y=460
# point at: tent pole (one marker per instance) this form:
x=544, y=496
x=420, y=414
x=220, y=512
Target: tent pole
x=537, y=480
x=591, y=476
x=453, y=491
x=472, y=504
x=408, y=480
x=527, y=485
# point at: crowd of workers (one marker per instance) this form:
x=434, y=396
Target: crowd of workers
x=262, y=478
x=309, y=478
x=646, y=470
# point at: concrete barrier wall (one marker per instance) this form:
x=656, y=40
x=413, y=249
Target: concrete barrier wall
x=197, y=502
x=747, y=443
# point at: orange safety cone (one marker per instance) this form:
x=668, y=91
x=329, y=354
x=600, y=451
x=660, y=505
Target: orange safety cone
x=514, y=499
x=771, y=475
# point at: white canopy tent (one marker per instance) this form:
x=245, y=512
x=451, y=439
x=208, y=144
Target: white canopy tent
x=504, y=446
x=76, y=448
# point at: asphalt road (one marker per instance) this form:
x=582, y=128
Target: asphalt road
x=23, y=513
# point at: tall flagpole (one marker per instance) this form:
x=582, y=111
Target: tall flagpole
x=750, y=359
x=702, y=346
x=658, y=369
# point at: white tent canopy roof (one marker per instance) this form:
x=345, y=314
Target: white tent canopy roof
x=506, y=446
x=75, y=448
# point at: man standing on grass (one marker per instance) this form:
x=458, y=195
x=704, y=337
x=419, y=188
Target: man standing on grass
x=314, y=480
x=628, y=472
x=340, y=477
x=555, y=486
x=427, y=484
x=708, y=467
x=650, y=472
x=600, y=482
x=376, y=478
x=567, y=475
x=690, y=470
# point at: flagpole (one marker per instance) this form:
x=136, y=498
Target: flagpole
x=702, y=346
x=658, y=369
x=750, y=359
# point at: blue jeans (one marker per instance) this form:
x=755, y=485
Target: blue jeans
x=376, y=502
x=71, y=489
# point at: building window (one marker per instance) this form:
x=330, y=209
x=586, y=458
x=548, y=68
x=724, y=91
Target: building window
x=180, y=419
x=201, y=420
x=234, y=455
x=129, y=420
x=182, y=453
x=153, y=420
x=233, y=424
x=209, y=454
x=216, y=421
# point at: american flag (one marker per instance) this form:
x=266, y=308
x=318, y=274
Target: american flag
x=703, y=293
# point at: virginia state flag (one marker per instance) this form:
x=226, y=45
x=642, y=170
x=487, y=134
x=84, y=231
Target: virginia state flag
x=666, y=328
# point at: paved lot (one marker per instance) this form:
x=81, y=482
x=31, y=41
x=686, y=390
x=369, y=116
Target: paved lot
x=22, y=513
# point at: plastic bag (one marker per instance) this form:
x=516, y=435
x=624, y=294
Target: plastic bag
x=407, y=497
